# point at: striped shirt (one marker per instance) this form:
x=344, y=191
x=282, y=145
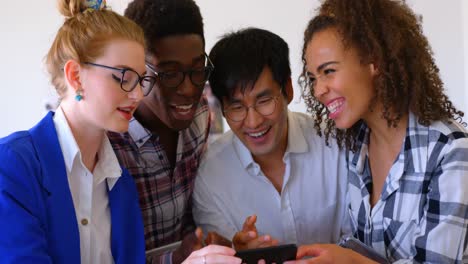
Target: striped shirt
x=421, y=216
x=164, y=192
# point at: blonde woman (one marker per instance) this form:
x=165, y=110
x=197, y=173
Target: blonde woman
x=63, y=196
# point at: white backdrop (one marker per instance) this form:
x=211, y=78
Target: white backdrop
x=465, y=49
x=27, y=29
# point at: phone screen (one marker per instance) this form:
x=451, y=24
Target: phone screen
x=275, y=254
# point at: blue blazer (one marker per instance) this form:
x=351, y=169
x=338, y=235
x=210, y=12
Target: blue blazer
x=37, y=217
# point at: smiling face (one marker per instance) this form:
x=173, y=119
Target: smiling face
x=174, y=106
x=105, y=105
x=262, y=135
x=340, y=81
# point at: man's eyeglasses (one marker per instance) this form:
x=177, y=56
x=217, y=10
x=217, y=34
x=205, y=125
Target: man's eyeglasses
x=265, y=106
x=129, y=79
x=172, y=79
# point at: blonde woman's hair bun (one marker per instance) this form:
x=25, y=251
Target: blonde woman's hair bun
x=71, y=8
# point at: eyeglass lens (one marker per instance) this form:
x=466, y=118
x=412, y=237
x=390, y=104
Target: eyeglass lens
x=130, y=80
x=264, y=107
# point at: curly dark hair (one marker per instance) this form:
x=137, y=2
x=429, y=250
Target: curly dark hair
x=162, y=18
x=388, y=34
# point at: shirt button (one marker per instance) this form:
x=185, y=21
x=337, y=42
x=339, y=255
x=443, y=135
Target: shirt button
x=84, y=221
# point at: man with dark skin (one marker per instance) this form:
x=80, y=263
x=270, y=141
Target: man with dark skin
x=168, y=134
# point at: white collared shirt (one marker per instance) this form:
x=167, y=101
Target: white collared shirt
x=89, y=192
x=311, y=207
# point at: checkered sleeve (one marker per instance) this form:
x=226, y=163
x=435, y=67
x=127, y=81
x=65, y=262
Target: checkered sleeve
x=442, y=236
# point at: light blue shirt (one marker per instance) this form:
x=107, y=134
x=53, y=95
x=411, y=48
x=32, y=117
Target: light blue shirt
x=311, y=208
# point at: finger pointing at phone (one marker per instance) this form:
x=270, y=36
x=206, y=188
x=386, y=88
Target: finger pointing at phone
x=248, y=237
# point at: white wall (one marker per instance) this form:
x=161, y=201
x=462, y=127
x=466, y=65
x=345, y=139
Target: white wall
x=443, y=25
x=25, y=39
x=27, y=30
x=465, y=50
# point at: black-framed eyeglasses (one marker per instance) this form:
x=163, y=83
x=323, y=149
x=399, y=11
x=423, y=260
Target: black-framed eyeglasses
x=265, y=106
x=172, y=79
x=129, y=79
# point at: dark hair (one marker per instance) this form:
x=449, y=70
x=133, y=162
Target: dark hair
x=388, y=34
x=163, y=18
x=240, y=57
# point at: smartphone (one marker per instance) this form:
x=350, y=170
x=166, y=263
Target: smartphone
x=363, y=249
x=163, y=249
x=275, y=254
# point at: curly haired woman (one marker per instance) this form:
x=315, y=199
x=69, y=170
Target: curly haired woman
x=370, y=81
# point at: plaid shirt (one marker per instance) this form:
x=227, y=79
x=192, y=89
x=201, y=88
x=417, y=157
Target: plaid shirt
x=421, y=216
x=164, y=192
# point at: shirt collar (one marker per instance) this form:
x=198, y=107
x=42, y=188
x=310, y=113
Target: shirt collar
x=417, y=138
x=66, y=139
x=359, y=160
x=138, y=132
x=414, y=131
x=107, y=167
x=242, y=151
x=297, y=142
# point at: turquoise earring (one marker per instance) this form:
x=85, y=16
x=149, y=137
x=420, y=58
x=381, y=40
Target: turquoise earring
x=78, y=96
